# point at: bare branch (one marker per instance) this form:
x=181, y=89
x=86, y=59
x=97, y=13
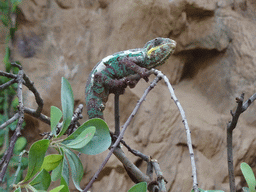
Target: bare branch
x=30, y=85
x=9, y=75
x=8, y=154
x=184, y=121
x=241, y=107
x=249, y=102
x=135, y=110
x=160, y=178
x=7, y=84
x=41, y=116
x=14, y=118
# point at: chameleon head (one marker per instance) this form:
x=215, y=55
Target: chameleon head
x=158, y=50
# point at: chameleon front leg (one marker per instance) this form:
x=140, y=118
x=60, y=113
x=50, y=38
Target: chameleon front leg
x=143, y=72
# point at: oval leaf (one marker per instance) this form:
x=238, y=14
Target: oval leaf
x=56, y=115
x=57, y=189
x=36, y=157
x=101, y=139
x=20, y=144
x=82, y=139
x=42, y=181
x=67, y=102
x=141, y=187
x=249, y=176
x=76, y=167
x=51, y=162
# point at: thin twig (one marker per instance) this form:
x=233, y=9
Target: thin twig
x=9, y=75
x=117, y=117
x=41, y=116
x=122, y=133
x=184, y=121
x=74, y=121
x=230, y=127
x=7, y=84
x=14, y=118
x=8, y=154
x=30, y=85
x=136, y=152
x=160, y=178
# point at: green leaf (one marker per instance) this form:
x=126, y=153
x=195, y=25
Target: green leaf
x=7, y=59
x=20, y=144
x=82, y=139
x=76, y=168
x=18, y=190
x=57, y=189
x=51, y=162
x=36, y=157
x=201, y=190
x=15, y=3
x=249, y=176
x=140, y=187
x=63, y=182
x=246, y=189
x=5, y=20
x=67, y=102
x=61, y=171
x=42, y=181
x=56, y=115
x=101, y=140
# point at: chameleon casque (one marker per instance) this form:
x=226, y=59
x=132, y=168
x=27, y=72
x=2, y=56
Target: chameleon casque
x=115, y=72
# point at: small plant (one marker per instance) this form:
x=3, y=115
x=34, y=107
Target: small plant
x=91, y=138
x=249, y=178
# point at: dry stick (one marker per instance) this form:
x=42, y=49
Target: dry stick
x=9, y=75
x=14, y=118
x=230, y=127
x=7, y=84
x=184, y=121
x=8, y=154
x=30, y=85
x=122, y=132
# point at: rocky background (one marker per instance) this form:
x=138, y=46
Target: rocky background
x=214, y=62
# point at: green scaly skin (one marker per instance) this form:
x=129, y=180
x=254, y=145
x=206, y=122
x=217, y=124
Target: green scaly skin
x=114, y=73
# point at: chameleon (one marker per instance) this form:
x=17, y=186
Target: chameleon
x=115, y=72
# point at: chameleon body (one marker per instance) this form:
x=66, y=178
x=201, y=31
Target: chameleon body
x=111, y=74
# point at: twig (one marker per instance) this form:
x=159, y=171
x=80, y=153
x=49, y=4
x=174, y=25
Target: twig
x=7, y=84
x=241, y=107
x=41, y=116
x=122, y=132
x=14, y=118
x=136, y=152
x=9, y=75
x=19, y=166
x=30, y=85
x=8, y=154
x=74, y=121
x=160, y=178
x=184, y=121
x=117, y=117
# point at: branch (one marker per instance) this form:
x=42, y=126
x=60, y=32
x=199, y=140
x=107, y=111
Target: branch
x=184, y=121
x=41, y=116
x=11, y=120
x=135, y=110
x=30, y=85
x=3, y=86
x=241, y=107
x=8, y=154
x=9, y=75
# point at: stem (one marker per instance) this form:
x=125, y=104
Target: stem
x=117, y=117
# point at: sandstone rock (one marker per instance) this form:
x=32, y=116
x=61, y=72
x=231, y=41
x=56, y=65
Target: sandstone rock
x=214, y=62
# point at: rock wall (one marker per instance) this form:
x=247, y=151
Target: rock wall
x=214, y=62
